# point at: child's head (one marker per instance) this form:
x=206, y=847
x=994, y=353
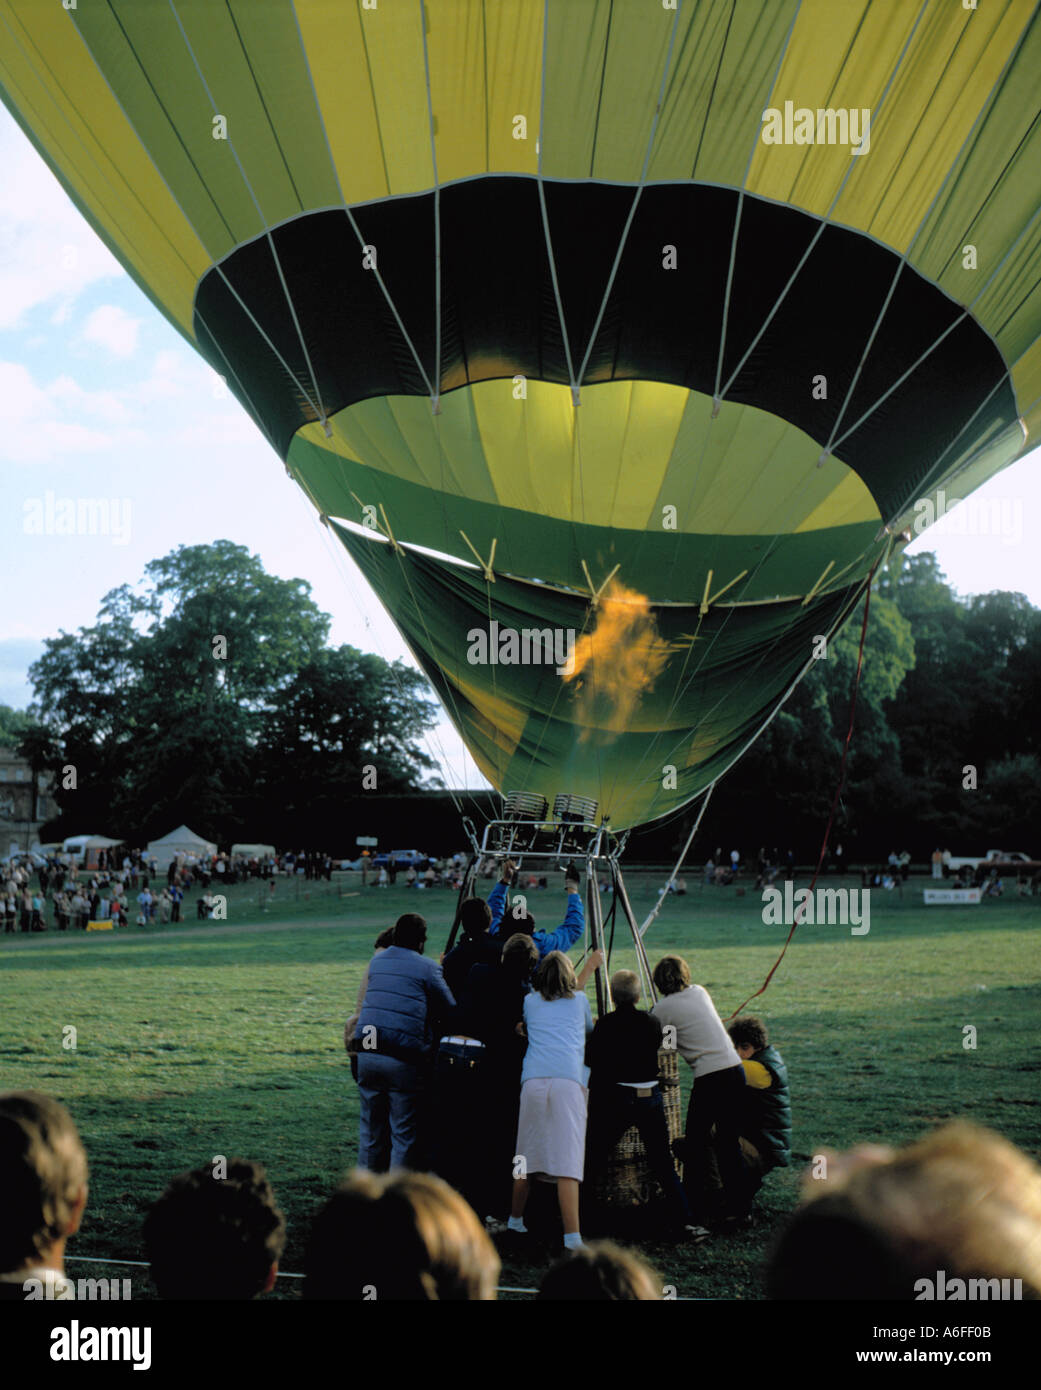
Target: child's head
x=749, y=1035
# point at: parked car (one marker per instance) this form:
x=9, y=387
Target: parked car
x=1007, y=859
x=403, y=858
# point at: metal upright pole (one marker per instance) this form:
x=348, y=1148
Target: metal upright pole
x=641, y=952
x=603, y=989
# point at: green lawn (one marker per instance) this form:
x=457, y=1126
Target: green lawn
x=225, y=1038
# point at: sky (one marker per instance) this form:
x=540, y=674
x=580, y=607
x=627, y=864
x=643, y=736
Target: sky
x=104, y=406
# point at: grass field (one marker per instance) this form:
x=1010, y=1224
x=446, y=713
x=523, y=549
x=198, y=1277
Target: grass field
x=225, y=1038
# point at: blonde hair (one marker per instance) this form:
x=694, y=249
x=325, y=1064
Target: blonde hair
x=962, y=1200
x=601, y=1271
x=43, y=1175
x=625, y=987
x=407, y=1236
x=556, y=978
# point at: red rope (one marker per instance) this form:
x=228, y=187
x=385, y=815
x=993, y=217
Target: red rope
x=834, y=803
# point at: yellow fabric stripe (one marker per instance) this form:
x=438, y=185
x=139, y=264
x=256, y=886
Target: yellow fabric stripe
x=1010, y=307
x=1026, y=378
x=97, y=153
x=841, y=56
x=335, y=48
x=848, y=503
x=728, y=476
x=513, y=43
x=393, y=38
x=941, y=88
x=455, y=47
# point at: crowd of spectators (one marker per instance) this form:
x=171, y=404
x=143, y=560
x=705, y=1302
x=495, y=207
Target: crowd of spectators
x=961, y=1205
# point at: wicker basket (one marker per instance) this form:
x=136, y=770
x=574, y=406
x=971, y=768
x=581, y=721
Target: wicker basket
x=626, y=1180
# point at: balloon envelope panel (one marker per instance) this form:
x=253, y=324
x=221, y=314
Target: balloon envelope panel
x=667, y=318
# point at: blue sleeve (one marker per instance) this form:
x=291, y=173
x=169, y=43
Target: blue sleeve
x=567, y=933
x=497, y=904
x=589, y=1014
x=439, y=990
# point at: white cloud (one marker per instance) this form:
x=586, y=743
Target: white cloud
x=30, y=427
x=112, y=328
x=48, y=253
x=104, y=405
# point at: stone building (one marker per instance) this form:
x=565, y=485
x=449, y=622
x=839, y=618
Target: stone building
x=18, y=826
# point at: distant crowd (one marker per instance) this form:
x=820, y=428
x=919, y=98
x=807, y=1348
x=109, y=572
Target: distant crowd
x=127, y=887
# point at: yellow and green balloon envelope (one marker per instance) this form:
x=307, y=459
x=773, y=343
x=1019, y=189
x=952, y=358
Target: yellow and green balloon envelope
x=648, y=323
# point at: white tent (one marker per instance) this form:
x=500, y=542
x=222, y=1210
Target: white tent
x=180, y=841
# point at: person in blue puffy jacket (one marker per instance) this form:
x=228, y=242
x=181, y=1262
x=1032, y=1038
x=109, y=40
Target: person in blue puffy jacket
x=405, y=1001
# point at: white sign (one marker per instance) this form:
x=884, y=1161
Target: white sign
x=952, y=895
x=366, y=841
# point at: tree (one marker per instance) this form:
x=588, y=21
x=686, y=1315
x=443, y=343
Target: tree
x=209, y=684
x=12, y=723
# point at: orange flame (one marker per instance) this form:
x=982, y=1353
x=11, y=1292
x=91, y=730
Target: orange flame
x=622, y=658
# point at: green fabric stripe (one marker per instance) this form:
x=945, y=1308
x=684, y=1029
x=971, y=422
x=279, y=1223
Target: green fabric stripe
x=667, y=565
x=167, y=108
x=693, y=717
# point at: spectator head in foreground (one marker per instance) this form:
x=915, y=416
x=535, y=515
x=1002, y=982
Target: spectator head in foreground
x=961, y=1204
x=475, y=917
x=216, y=1233
x=601, y=1271
x=520, y=956
x=43, y=1183
x=410, y=932
x=399, y=1236
x=671, y=975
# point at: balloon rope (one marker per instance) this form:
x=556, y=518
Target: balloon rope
x=679, y=863
x=834, y=801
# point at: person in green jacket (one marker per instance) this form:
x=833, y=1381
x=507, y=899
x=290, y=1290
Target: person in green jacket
x=766, y=1115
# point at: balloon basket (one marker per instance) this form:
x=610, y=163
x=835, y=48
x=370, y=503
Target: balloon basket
x=626, y=1179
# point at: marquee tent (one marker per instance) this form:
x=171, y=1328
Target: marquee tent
x=180, y=841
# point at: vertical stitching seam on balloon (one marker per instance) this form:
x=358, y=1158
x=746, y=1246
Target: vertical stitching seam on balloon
x=159, y=173
x=260, y=213
x=740, y=207
x=825, y=220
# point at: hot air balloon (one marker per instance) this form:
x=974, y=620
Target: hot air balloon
x=616, y=340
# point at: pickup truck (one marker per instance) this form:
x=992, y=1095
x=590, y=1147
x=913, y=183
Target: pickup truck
x=1007, y=860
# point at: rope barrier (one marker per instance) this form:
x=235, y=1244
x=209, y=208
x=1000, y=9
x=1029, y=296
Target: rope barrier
x=282, y=1273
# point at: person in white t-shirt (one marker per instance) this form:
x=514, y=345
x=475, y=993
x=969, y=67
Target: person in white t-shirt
x=691, y=1024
